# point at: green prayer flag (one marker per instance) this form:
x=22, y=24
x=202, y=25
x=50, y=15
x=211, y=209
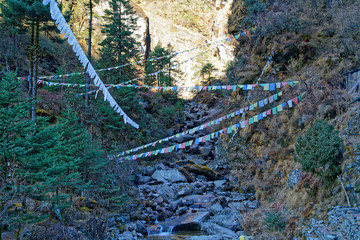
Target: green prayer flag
x=234, y=88
x=251, y=107
x=256, y=118
x=279, y=108
x=275, y=97
x=274, y=111
x=229, y=130
x=187, y=144
x=279, y=94
x=251, y=121
x=208, y=137
x=266, y=86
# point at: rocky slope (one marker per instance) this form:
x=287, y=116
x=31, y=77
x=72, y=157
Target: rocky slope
x=186, y=25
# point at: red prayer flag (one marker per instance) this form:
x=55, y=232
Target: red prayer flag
x=295, y=100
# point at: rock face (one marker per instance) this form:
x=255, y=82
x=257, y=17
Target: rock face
x=195, y=26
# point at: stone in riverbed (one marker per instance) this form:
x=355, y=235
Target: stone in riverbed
x=212, y=237
x=182, y=189
x=202, y=170
x=212, y=228
x=171, y=176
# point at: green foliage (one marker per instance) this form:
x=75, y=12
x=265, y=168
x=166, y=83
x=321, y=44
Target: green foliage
x=320, y=151
x=119, y=46
x=274, y=221
x=207, y=70
x=234, y=67
x=163, y=78
x=252, y=8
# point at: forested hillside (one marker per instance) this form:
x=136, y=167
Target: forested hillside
x=248, y=114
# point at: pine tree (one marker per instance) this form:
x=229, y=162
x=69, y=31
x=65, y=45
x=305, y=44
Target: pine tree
x=208, y=69
x=17, y=135
x=163, y=78
x=119, y=46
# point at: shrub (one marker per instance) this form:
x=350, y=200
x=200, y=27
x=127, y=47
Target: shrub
x=274, y=221
x=320, y=151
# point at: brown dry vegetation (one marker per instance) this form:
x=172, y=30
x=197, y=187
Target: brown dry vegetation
x=319, y=52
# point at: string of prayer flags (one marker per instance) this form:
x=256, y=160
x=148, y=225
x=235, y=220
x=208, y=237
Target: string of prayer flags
x=65, y=29
x=193, y=130
x=226, y=39
x=177, y=89
x=213, y=135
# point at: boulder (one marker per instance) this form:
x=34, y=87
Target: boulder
x=140, y=228
x=140, y=179
x=182, y=189
x=213, y=228
x=205, y=150
x=219, y=185
x=171, y=176
x=211, y=237
x=227, y=219
x=294, y=178
x=183, y=138
x=202, y=170
x=186, y=222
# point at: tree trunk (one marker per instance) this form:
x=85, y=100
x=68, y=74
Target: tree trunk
x=119, y=50
x=31, y=72
x=89, y=56
x=36, y=61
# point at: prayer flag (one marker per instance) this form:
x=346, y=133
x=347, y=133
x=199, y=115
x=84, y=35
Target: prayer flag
x=290, y=103
x=274, y=110
x=279, y=108
x=229, y=130
x=256, y=118
x=208, y=137
x=271, y=99
x=295, y=100
x=272, y=86
x=251, y=121
x=261, y=103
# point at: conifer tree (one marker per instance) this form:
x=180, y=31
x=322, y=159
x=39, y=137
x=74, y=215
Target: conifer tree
x=119, y=46
x=163, y=78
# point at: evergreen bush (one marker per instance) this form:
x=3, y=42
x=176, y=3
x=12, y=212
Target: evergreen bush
x=320, y=151
x=274, y=221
